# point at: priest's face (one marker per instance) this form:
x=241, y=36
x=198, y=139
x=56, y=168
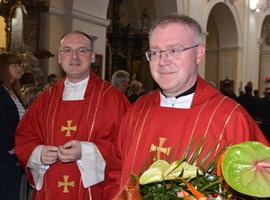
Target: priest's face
x=76, y=56
x=174, y=70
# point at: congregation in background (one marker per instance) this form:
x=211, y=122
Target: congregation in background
x=84, y=111
x=257, y=105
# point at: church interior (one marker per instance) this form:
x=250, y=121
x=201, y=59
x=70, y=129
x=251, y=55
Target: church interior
x=236, y=35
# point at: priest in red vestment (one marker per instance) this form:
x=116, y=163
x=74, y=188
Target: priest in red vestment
x=65, y=139
x=185, y=110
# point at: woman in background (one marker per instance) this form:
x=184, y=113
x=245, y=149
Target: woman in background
x=11, y=110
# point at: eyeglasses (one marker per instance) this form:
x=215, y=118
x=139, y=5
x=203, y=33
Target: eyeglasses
x=82, y=51
x=172, y=53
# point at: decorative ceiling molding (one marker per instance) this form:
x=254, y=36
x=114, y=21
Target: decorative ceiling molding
x=90, y=18
x=58, y=11
x=80, y=15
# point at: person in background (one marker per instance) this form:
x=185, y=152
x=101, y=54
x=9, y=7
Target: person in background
x=185, y=110
x=66, y=138
x=135, y=90
x=266, y=93
x=28, y=80
x=227, y=89
x=120, y=79
x=51, y=80
x=11, y=110
x=249, y=102
x=31, y=94
x=256, y=94
x=264, y=113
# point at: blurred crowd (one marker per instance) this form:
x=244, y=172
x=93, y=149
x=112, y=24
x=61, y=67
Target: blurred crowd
x=257, y=105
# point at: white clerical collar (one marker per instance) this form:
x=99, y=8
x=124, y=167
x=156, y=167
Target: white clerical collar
x=180, y=102
x=74, y=91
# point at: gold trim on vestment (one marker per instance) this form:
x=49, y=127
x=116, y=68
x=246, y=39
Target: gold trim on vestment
x=95, y=113
x=90, y=102
x=140, y=132
x=196, y=122
x=51, y=118
x=211, y=118
x=226, y=122
x=89, y=193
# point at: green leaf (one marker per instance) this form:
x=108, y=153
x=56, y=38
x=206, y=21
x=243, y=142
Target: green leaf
x=161, y=170
x=154, y=173
x=246, y=168
x=172, y=167
x=188, y=172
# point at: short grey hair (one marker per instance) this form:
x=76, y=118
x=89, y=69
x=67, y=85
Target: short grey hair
x=183, y=20
x=119, y=76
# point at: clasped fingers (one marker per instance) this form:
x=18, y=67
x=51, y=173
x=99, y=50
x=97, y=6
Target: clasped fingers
x=70, y=152
x=49, y=155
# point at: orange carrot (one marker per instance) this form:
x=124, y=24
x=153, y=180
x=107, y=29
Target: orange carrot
x=185, y=195
x=193, y=190
x=219, y=167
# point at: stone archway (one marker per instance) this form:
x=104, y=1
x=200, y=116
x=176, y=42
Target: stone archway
x=264, y=77
x=222, y=44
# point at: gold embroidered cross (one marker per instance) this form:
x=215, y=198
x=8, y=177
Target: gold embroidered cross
x=159, y=149
x=68, y=128
x=66, y=184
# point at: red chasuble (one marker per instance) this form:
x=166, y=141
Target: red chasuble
x=52, y=121
x=150, y=131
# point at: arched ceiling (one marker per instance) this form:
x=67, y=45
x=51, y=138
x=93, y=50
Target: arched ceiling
x=265, y=33
x=100, y=8
x=226, y=26
x=132, y=10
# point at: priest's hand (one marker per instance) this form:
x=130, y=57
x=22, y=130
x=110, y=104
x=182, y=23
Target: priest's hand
x=70, y=152
x=49, y=155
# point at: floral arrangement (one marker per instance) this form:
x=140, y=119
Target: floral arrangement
x=241, y=171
